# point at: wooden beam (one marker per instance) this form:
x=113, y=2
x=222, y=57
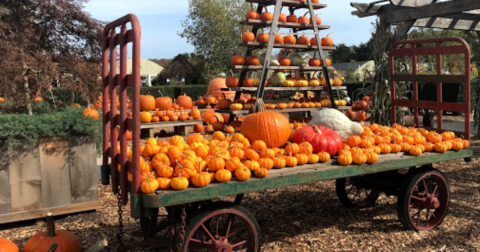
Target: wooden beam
x=365, y=9
x=412, y=3
x=394, y=14
x=448, y=23
x=402, y=32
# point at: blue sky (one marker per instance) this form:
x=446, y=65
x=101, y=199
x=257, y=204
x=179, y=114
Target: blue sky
x=161, y=21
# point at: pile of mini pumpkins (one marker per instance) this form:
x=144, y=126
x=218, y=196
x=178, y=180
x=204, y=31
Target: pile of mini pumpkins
x=179, y=163
x=375, y=140
x=197, y=161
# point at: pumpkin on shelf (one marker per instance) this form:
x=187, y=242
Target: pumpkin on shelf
x=147, y=102
x=318, y=20
x=224, y=103
x=236, y=106
x=289, y=39
x=303, y=40
x=253, y=60
x=292, y=18
x=266, y=16
x=184, y=101
x=41, y=242
x=314, y=62
x=145, y=117
x=248, y=36
x=327, y=41
x=232, y=82
x=252, y=15
x=163, y=103
x=237, y=60
x=262, y=38
x=278, y=39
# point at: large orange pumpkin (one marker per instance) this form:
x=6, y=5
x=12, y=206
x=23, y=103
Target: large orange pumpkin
x=210, y=117
x=215, y=86
x=7, y=246
x=163, y=103
x=147, y=102
x=67, y=241
x=185, y=101
x=271, y=127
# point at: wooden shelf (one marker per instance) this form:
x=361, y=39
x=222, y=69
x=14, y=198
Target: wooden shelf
x=287, y=110
x=262, y=24
x=169, y=124
x=254, y=89
x=260, y=67
x=290, y=3
x=287, y=46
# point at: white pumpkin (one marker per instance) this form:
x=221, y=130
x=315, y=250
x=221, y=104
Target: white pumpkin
x=337, y=121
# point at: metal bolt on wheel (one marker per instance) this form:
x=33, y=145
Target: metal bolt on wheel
x=423, y=204
x=223, y=230
x=353, y=193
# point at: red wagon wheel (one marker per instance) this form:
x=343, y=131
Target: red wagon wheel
x=223, y=230
x=354, y=192
x=423, y=204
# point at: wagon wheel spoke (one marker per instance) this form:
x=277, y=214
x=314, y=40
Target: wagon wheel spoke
x=426, y=220
x=425, y=188
x=199, y=241
x=417, y=198
x=435, y=190
x=418, y=217
x=239, y=243
x=229, y=224
x=216, y=227
x=238, y=231
x=350, y=190
x=208, y=232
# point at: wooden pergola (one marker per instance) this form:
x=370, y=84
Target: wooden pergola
x=443, y=14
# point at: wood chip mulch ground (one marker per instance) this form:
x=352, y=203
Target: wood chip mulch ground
x=307, y=218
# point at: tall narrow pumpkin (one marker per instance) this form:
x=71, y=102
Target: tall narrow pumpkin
x=271, y=127
x=67, y=241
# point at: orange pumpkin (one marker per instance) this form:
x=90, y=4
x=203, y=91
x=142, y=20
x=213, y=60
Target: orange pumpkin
x=163, y=103
x=185, y=101
x=66, y=241
x=215, y=86
x=271, y=127
x=147, y=102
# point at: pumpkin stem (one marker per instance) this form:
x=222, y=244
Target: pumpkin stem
x=305, y=14
x=328, y=34
x=50, y=226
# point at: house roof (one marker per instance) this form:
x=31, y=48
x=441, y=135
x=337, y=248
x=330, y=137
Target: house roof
x=146, y=67
x=343, y=66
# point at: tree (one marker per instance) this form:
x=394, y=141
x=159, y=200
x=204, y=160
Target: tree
x=342, y=53
x=212, y=27
x=46, y=41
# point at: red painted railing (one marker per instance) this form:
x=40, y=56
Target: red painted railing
x=436, y=48
x=116, y=35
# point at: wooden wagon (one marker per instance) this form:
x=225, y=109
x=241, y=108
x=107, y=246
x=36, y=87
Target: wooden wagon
x=198, y=220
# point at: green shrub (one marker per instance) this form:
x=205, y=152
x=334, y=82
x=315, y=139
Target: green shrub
x=62, y=123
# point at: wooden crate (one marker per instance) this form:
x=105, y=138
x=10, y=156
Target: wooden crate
x=56, y=175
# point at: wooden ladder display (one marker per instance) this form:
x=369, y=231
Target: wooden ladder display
x=274, y=24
